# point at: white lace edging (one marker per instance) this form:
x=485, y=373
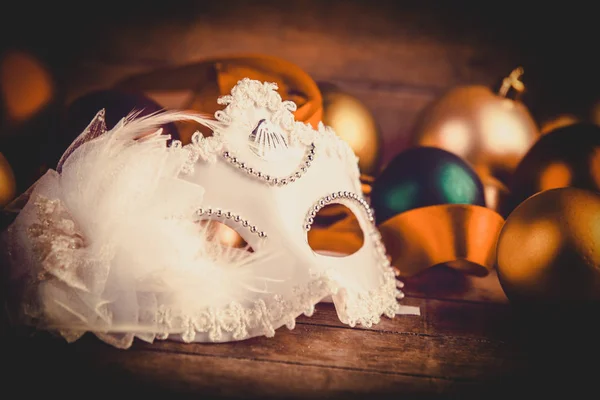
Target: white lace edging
x=250, y=93
x=262, y=318
x=266, y=315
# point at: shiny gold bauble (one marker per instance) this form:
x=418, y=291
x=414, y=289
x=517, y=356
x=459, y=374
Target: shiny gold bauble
x=549, y=248
x=354, y=123
x=489, y=130
x=8, y=185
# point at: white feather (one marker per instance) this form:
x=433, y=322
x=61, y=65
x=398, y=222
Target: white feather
x=143, y=247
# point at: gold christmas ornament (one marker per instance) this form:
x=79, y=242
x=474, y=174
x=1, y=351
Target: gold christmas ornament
x=549, y=248
x=8, y=185
x=354, y=123
x=489, y=130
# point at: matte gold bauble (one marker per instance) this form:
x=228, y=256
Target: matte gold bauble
x=354, y=123
x=197, y=86
x=549, y=248
x=489, y=130
x=7, y=182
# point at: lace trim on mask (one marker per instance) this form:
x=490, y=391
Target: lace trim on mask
x=54, y=239
x=205, y=148
x=265, y=315
x=362, y=308
x=250, y=94
x=208, y=212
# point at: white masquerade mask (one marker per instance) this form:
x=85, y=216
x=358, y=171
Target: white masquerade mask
x=113, y=243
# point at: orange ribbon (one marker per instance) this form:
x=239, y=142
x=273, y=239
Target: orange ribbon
x=214, y=77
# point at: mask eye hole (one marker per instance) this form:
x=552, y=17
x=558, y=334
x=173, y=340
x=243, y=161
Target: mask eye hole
x=335, y=232
x=217, y=231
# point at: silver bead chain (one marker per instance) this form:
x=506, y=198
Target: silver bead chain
x=234, y=217
x=274, y=181
x=310, y=218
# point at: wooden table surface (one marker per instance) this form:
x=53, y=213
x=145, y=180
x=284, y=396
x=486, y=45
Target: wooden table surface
x=466, y=344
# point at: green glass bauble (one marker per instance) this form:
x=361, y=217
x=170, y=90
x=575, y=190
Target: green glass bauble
x=421, y=177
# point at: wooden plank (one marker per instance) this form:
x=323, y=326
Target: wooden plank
x=415, y=354
x=235, y=377
x=92, y=367
x=44, y=365
x=438, y=318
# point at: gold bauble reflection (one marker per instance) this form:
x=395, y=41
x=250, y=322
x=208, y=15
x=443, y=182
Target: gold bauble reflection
x=8, y=185
x=354, y=123
x=489, y=131
x=549, y=248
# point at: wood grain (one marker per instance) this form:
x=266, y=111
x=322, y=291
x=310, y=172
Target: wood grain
x=455, y=349
x=415, y=354
x=90, y=366
x=247, y=378
x=347, y=40
x=480, y=321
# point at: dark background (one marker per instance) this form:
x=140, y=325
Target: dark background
x=557, y=44
x=396, y=57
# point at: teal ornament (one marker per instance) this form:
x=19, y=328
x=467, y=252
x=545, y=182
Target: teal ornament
x=421, y=177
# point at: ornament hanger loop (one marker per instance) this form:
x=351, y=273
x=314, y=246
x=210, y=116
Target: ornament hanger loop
x=512, y=81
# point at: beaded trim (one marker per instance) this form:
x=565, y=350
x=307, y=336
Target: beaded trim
x=229, y=215
x=333, y=197
x=274, y=181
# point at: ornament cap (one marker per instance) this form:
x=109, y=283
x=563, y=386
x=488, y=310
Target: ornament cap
x=512, y=81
